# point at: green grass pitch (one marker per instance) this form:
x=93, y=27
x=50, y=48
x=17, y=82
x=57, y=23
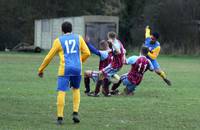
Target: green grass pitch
x=29, y=103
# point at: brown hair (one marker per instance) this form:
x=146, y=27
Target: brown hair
x=112, y=35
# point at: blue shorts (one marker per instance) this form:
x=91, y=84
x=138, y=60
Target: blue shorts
x=66, y=82
x=130, y=86
x=155, y=64
x=109, y=71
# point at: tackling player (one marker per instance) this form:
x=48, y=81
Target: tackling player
x=154, y=49
x=72, y=51
x=117, y=62
x=105, y=58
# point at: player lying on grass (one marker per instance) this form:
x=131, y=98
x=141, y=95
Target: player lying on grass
x=72, y=51
x=139, y=65
x=105, y=58
x=151, y=41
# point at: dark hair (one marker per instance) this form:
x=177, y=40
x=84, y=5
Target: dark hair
x=103, y=44
x=156, y=35
x=112, y=35
x=67, y=27
x=144, y=50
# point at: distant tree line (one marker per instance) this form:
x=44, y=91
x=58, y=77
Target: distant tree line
x=178, y=21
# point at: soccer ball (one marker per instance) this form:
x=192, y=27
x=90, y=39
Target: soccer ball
x=115, y=79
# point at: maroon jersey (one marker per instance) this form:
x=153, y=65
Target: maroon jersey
x=135, y=75
x=118, y=59
x=106, y=62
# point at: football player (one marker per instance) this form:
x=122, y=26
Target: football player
x=151, y=41
x=72, y=51
x=105, y=56
x=118, y=59
x=139, y=65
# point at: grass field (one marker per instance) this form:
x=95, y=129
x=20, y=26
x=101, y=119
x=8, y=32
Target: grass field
x=29, y=103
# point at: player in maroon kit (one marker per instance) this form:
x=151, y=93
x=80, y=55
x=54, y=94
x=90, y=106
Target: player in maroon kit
x=105, y=56
x=118, y=60
x=139, y=65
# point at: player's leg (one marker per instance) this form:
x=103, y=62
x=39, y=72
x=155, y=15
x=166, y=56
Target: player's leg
x=87, y=76
x=160, y=72
x=75, y=84
x=129, y=87
x=63, y=81
x=97, y=88
x=105, y=89
x=114, y=89
x=104, y=73
x=108, y=72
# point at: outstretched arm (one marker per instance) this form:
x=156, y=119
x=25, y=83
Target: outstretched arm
x=147, y=32
x=93, y=49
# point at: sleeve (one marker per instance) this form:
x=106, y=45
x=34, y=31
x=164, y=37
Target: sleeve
x=147, y=32
x=116, y=47
x=103, y=55
x=147, y=41
x=49, y=56
x=93, y=49
x=85, y=52
x=151, y=67
x=131, y=60
x=154, y=53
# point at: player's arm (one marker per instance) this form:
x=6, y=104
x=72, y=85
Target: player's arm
x=103, y=55
x=49, y=57
x=93, y=49
x=116, y=49
x=85, y=52
x=115, y=46
x=131, y=60
x=154, y=53
x=147, y=32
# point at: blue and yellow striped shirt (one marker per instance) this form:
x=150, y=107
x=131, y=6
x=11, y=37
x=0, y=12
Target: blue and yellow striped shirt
x=72, y=51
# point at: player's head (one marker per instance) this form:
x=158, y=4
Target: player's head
x=112, y=35
x=66, y=27
x=104, y=45
x=154, y=37
x=144, y=50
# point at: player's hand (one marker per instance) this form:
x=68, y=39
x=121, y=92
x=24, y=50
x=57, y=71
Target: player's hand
x=40, y=74
x=87, y=39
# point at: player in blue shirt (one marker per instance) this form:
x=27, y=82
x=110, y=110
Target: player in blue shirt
x=151, y=41
x=72, y=51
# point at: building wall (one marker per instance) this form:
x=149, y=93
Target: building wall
x=46, y=30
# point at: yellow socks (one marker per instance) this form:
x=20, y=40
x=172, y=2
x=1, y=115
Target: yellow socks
x=162, y=74
x=76, y=99
x=60, y=103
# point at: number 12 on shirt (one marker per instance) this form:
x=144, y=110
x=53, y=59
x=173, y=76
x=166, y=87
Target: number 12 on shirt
x=70, y=46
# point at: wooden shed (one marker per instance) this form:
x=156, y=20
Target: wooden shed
x=96, y=27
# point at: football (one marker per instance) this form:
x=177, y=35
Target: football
x=115, y=79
